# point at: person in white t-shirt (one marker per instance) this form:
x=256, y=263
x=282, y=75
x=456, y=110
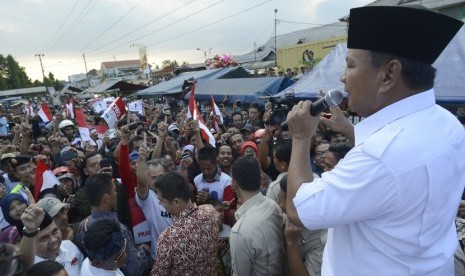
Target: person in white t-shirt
x=49, y=246
x=157, y=217
x=106, y=249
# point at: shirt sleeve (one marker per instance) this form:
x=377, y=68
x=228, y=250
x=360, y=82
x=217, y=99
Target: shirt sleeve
x=360, y=187
x=163, y=263
x=124, y=169
x=241, y=254
x=228, y=193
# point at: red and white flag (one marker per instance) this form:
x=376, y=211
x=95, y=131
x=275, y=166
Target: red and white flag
x=82, y=125
x=192, y=104
x=70, y=109
x=216, y=114
x=29, y=110
x=114, y=112
x=206, y=134
x=44, y=179
x=44, y=113
x=193, y=112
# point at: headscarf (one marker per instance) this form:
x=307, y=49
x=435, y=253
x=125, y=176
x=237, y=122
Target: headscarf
x=5, y=205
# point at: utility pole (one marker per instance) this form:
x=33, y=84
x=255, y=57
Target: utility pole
x=275, y=49
x=205, y=52
x=85, y=65
x=255, y=50
x=41, y=65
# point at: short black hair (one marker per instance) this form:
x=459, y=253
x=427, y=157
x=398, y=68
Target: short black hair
x=418, y=76
x=207, y=153
x=235, y=113
x=172, y=185
x=246, y=172
x=97, y=186
x=99, y=235
x=135, y=139
x=340, y=150
x=88, y=156
x=283, y=149
x=283, y=183
x=46, y=267
x=254, y=105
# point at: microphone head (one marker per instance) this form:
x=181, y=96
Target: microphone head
x=334, y=97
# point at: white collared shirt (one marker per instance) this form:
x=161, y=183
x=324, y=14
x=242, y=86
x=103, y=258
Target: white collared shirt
x=69, y=256
x=392, y=200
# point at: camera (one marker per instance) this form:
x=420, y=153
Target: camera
x=68, y=155
x=280, y=107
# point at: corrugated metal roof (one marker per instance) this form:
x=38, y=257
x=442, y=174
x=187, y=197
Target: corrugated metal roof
x=121, y=64
x=298, y=37
x=174, y=85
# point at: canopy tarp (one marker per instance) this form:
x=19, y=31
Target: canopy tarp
x=246, y=90
x=174, y=85
x=449, y=84
x=110, y=86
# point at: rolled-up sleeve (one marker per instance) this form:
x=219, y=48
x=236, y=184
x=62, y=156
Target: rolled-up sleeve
x=360, y=187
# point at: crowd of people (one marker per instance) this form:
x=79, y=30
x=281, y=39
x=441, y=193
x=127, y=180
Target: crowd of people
x=194, y=196
x=156, y=196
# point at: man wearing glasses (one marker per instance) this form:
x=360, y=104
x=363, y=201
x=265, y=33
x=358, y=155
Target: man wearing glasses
x=106, y=248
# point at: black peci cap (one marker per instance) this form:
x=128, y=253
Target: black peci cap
x=411, y=32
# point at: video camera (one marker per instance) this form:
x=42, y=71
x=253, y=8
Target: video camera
x=280, y=107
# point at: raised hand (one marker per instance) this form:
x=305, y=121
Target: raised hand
x=32, y=217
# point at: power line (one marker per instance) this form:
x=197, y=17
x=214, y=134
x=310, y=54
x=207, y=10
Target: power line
x=111, y=26
x=83, y=14
x=143, y=26
x=61, y=25
x=215, y=22
x=166, y=26
x=207, y=25
x=305, y=23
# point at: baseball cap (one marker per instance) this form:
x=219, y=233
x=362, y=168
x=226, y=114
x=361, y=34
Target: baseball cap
x=52, y=205
x=134, y=156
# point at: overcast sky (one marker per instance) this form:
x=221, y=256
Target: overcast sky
x=104, y=30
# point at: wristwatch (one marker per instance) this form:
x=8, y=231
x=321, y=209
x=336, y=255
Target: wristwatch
x=30, y=234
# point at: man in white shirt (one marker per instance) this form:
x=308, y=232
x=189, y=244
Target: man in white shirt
x=391, y=202
x=49, y=246
x=106, y=249
x=157, y=217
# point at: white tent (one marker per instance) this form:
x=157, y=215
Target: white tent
x=449, y=84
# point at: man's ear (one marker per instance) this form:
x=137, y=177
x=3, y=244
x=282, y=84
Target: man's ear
x=234, y=184
x=392, y=74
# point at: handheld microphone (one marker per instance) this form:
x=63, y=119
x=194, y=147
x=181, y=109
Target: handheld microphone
x=332, y=98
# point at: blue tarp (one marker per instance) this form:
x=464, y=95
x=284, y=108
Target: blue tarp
x=247, y=90
x=174, y=85
x=449, y=84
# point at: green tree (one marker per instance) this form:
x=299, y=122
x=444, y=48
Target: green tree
x=12, y=76
x=17, y=77
x=167, y=63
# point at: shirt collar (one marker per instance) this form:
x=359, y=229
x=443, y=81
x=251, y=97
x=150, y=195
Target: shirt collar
x=101, y=214
x=391, y=113
x=216, y=178
x=256, y=199
x=190, y=207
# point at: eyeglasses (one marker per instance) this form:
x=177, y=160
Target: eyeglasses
x=120, y=255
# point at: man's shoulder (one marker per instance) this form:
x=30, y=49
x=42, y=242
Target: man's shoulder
x=198, y=178
x=225, y=177
x=69, y=251
x=265, y=212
